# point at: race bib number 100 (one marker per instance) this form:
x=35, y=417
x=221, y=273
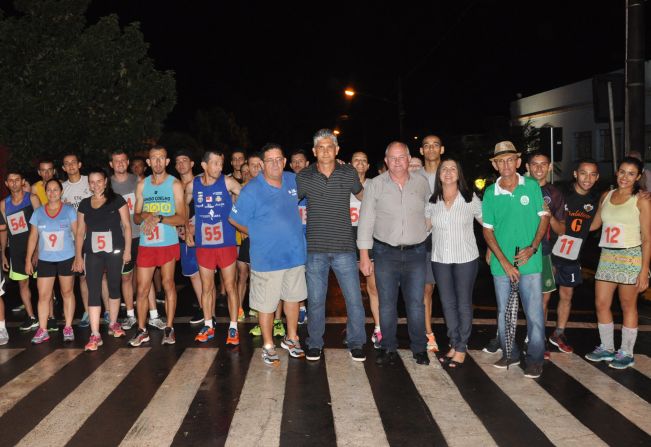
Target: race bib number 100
x=102, y=241
x=212, y=234
x=53, y=240
x=567, y=247
x=17, y=223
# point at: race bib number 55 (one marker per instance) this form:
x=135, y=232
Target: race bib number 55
x=212, y=234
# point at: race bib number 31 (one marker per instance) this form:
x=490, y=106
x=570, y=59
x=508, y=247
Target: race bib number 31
x=612, y=236
x=155, y=234
x=102, y=241
x=212, y=234
x=567, y=247
x=17, y=223
x=53, y=240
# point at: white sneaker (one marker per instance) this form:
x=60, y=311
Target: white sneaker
x=158, y=323
x=4, y=336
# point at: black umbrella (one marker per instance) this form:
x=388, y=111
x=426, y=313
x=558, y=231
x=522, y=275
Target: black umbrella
x=511, y=316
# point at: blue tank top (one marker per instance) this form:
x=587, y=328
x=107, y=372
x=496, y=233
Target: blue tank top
x=55, y=240
x=18, y=217
x=212, y=206
x=159, y=199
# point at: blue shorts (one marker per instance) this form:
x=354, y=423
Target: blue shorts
x=189, y=266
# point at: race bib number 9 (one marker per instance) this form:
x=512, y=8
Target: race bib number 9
x=212, y=234
x=101, y=241
x=354, y=215
x=17, y=223
x=53, y=240
x=131, y=201
x=612, y=236
x=567, y=247
x=155, y=234
x=302, y=211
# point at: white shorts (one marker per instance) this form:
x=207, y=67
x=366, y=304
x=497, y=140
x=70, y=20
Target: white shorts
x=268, y=288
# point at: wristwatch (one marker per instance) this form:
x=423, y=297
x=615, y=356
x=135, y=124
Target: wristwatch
x=160, y=220
x=535, y=250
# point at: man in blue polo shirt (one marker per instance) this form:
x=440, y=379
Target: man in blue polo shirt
x=267, y=210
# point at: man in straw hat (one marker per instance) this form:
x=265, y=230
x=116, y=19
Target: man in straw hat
x=514, y=217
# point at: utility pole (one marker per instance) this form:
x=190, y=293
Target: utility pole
x=634, y=77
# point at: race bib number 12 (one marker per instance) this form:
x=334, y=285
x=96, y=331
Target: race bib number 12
x=612, y=236
x=567, y=247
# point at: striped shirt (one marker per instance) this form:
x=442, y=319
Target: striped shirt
x=329, y=228
x=453, y=237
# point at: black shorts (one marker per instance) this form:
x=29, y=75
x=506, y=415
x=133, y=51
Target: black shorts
x=568, y=275
x=243, y=255
x=47, y=269
x=17, y=259
x=131, y=265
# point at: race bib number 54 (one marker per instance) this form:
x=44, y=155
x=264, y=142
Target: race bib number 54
x=567, y=247
x=17, y=223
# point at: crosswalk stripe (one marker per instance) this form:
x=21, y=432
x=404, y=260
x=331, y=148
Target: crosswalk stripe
x=258, y=415
x=58, y=427
x=552, y=418
x=459, y=425
x=160, y=421
x=629, y=404
x=22, y=385
x=643, y=364
x=357, y=419
x=8, y=354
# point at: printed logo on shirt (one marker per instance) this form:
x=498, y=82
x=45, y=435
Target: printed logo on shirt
x=524, y=200
x=588, y=207
x=547, y=199
x=292, y=192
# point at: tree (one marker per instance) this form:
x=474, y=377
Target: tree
x=66, y=85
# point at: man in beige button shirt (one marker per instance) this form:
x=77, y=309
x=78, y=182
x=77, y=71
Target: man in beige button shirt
x=392, y=223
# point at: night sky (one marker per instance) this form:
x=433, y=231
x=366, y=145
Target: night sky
x=281, y=67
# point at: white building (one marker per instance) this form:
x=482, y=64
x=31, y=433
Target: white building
x=571, y=108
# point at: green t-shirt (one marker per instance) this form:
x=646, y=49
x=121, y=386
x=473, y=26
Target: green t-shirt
x=514, y=218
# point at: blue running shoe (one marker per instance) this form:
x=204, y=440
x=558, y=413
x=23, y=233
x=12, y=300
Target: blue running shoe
x=622, y=360
x=599, y=354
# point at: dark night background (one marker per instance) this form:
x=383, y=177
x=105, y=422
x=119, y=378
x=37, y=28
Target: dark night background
x=281, y=67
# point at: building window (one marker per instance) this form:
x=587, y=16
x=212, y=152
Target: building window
x=607, y=152
x=583, y=144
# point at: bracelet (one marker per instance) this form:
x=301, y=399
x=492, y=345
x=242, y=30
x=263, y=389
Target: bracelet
x=535, y=250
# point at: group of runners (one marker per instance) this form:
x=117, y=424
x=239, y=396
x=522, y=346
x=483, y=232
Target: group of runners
x=277, y=234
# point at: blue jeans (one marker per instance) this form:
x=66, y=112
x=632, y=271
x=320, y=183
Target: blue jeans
x=345, y=267
x=531, y=300
x=455, y=283
x=404, y=269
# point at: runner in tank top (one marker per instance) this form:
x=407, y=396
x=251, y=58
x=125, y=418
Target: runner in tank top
x=52, y=227
x=159, y=210
x=214, y=238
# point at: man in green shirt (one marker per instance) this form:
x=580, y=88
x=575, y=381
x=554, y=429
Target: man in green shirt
x=514, y=216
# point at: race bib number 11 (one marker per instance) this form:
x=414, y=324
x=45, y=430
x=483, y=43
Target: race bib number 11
x=567, y=247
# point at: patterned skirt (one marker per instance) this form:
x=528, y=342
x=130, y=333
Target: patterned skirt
x=620, y=265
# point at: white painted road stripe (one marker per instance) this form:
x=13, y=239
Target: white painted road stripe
x=643, y=364
x=160, y=420
x=357, y=419
x=31, y=379
x=61, y=424
x=458, y=423
x=629, y=404
x=8, y=354
x=550, y=417
x=258, y=416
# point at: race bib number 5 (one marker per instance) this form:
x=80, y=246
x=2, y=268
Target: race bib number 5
x=612, y=236
x=17, y=223
x=354, y=215
x=212, y=234
x=53, y=240
x=567, y=247
x=102, y=241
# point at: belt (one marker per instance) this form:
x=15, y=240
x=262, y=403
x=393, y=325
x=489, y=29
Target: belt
x=398, y=247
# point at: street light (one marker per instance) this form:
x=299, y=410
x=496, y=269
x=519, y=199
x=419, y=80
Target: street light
x=349, y=92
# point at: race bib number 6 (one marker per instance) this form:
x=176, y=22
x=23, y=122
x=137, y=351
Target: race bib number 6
x=17, y=223
x=612, y=236
x=101, y=241
x=212, y=234
x=53, y=240
x=567, y=247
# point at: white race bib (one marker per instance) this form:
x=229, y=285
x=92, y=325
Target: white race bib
x=354, y=215
x=155, y=234
x=612, y=236
x=101, y=241
x=302, y=211
x=53, y=240
x=567, y=247
x=131, y=201
x=212, y=234
x=17, y=223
